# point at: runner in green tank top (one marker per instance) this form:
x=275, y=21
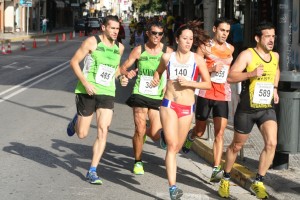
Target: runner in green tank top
x=95, y=90
x=145, y=100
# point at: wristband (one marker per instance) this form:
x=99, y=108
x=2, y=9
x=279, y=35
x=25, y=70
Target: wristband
x=275, y=87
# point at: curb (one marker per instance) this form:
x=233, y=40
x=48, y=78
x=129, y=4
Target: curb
x=20, y=38
x=239, y=173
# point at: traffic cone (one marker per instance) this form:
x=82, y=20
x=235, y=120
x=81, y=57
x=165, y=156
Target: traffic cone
x=63, y=37
x=56, y=39
x=34, y=43
x=8, y=48
x=47, y=40
x=71, y=35
x=23, y=48
x=3, y=49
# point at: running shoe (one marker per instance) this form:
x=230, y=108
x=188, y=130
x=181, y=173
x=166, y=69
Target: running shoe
x=175, y=193
x=188, y=143
x=138, y=168
x=258, y=188
x=216, y=175
x=162, y=142
x=71, y=126
x=224, y=188
x=93, y=178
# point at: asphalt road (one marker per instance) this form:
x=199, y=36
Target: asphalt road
x=39, y=160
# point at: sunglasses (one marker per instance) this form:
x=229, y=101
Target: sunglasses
x=157, y=33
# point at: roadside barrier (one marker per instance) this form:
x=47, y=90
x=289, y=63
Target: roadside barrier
x=34, y=43
x=8, y=48
x=47, y=40
x=63, y=37
x=3, y=49
x=74, y=34
x=71, y=35
x=56, y=38
x=23, y=48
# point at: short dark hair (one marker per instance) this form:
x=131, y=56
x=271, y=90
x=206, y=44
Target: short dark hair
x=263, y=26
x=110, y=18
x=221, y=20
x=154, y=23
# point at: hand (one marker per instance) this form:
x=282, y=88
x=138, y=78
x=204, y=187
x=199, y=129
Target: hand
x=217, y=67
x=123, y=80
x=90, y=89
x=276, y=97
x=132, y=73
x=154, y=82
x=258, y=72
x=182, y=81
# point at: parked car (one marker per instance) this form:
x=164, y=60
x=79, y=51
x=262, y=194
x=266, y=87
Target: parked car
x=93, y=24
x=79, y=25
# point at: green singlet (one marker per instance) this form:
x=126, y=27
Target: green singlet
x=147, y=65
x=99, y=70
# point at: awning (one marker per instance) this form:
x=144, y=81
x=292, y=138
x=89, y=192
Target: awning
x=59, y=4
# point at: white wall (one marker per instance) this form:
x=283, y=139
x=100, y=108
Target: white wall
x=8, y=16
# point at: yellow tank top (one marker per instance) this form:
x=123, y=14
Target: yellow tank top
x=260, y=89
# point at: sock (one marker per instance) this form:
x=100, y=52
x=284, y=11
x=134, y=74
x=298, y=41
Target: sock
x=135, y=161
x=216, y=168
x=226, y=175
x=93, y=169
x=190, y=137
x=259, y=177
x=171, y=188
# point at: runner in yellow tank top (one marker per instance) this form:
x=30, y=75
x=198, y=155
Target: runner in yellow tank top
x=258, y=69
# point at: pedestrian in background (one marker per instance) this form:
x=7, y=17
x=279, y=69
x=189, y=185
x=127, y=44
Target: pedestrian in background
x=237, y=37
x=178, y=104
x=218, y=56
x=169, y=27
x=258, y=69
x=95, y=90
x=121, y=35
x=44, y=25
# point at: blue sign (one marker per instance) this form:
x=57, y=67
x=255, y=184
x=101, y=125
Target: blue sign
x=26, y=3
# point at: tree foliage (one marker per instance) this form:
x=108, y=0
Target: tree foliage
x=149, y=5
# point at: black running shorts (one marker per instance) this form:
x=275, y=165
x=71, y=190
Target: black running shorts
x=136, y=100
x=87, y=105
x=204, y=106
x=244, y=122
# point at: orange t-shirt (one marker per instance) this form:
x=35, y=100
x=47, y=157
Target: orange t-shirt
x=220, y=89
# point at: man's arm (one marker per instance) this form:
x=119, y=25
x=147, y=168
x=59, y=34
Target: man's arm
x=276, y=81
x=86, y=47
x=237, y=73
x=133, y=56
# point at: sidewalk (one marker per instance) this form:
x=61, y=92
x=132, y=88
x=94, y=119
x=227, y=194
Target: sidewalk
x=19, y=36
x=280, y=184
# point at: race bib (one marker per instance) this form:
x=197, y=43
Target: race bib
x=145, y=86
x=221, y=76
x=180, y=71
x=263, y=93
x=104, y=75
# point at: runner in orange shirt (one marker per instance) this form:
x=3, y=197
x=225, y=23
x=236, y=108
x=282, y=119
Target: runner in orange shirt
x=218, y=55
